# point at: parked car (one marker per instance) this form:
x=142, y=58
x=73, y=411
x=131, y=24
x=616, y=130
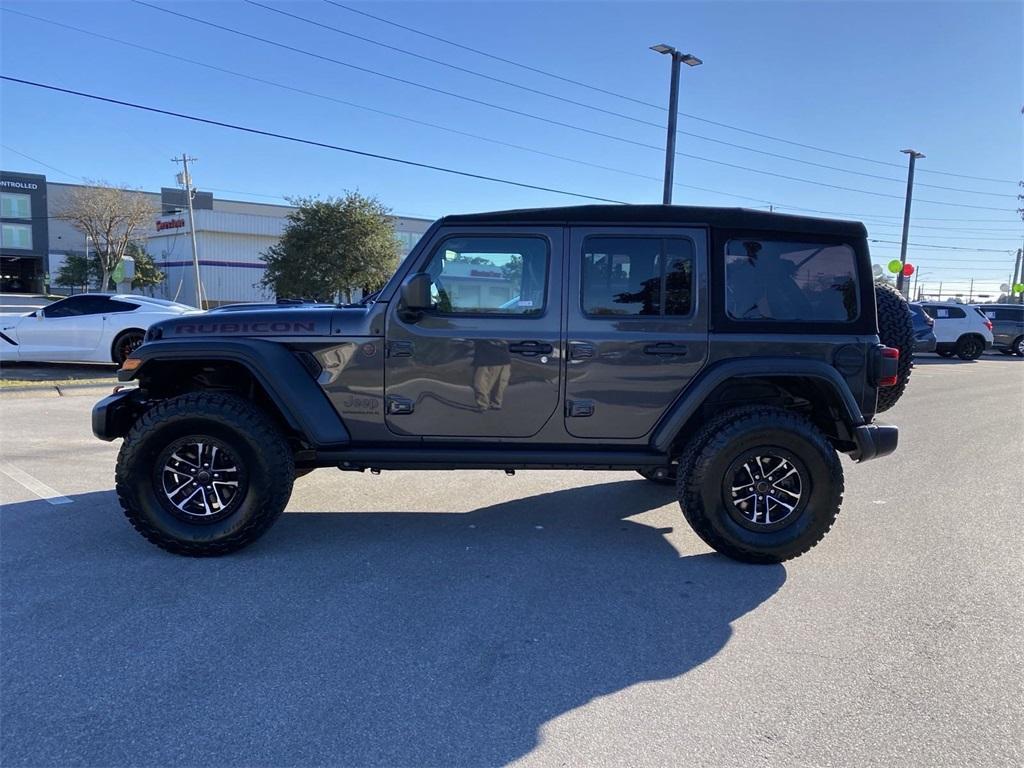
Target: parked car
x=1007, y=327
x=87, y=328
x=960, y=329
x=924, y=334
x=733, y=353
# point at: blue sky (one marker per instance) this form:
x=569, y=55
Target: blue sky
x=865, y=79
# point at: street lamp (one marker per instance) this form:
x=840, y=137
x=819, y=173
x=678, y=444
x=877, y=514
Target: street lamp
x=914, y=154
x=673, y=111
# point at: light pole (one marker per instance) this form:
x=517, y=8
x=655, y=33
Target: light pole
x=917, y=277
x=914, y=154
x=673, y=112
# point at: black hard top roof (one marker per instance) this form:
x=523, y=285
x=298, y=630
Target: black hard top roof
x=732, y=218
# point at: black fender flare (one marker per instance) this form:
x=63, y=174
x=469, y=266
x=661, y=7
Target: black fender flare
x=301, y=401
x=694, y=396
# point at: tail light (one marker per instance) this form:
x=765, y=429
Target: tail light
x=890, y=367
x=988, y=324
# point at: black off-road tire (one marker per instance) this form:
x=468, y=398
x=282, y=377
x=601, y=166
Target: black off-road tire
x=969, y=347
x=895, y=329
x=126, y=343
x=708, y=457
x=660, y=475
x=264, y=458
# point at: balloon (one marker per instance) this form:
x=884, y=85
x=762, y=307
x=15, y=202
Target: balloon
x=895, y=266
x=908, y=270
x=1018, y=287
x=1005, y=287
x=876, y=270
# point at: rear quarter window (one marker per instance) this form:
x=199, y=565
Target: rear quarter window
x=791, y=282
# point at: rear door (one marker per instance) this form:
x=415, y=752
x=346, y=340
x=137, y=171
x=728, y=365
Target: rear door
x=485, y=359
x=637, y=326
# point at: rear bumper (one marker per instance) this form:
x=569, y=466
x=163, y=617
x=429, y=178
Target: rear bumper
x=925, y=343
x=874, y=441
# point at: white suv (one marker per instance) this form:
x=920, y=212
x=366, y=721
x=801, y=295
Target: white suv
x=960, y=329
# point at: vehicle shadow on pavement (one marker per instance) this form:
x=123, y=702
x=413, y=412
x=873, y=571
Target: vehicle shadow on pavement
x=387, y=639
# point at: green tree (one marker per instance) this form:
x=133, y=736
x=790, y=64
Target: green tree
x=77, y=271
x=147, y=275
x=331, y=248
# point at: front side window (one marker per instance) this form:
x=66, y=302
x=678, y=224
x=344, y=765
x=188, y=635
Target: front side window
x=771, y=280
x=16, y=236
x=85, y=304
x=476, y=275
x=13, y=206
x=633, y=276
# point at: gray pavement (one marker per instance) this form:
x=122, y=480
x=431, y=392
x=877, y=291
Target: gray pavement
x=553, y=618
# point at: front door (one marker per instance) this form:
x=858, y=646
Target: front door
x=69, y=329
x=484, y=359
x=637, y=326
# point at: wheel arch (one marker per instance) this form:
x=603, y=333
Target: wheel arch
x=117, y=338
x=268, y=373
x=810, y=387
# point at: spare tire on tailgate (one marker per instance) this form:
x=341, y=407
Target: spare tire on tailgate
x=895, y=329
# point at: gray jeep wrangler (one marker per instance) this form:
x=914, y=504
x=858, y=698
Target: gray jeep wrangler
x=734, y=353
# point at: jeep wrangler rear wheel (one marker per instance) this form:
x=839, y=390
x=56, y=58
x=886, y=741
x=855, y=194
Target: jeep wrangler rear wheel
x=760, y=484
x=204, y=474
x=895, y=329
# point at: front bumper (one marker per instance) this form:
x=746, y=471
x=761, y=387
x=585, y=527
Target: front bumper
x=874, y=441
x=114, y=415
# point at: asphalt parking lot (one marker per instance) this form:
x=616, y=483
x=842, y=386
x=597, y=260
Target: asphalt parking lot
x=552, y=618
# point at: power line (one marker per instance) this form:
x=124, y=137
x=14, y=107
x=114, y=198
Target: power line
x=45, y=165
x=647, y=103
x=946, y=247
x=541, y=118
x=310, y=142
x=513, y=84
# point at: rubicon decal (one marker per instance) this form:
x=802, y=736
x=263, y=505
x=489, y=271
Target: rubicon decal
x=277, y=326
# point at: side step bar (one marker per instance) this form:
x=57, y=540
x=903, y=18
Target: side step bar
x=486, y=458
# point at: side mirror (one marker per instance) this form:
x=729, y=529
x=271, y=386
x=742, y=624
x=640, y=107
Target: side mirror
x=416, y=291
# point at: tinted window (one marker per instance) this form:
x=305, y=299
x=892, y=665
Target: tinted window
x=637, y=276
x=86, y=305
x=489, y=275
x=946, y=312
x=794, y=282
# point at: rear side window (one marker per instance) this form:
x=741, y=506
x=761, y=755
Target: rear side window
x=775, y=280
x=946, y=313
x=637, y=276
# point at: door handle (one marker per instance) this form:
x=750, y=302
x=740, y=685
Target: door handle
x=531, y=348
x=665, y=348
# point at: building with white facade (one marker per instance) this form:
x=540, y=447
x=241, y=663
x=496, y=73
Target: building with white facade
x=230, y=236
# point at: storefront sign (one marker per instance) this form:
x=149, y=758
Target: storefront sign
x=170, y=224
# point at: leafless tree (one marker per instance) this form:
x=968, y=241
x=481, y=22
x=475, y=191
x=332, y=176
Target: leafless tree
x=112, y=218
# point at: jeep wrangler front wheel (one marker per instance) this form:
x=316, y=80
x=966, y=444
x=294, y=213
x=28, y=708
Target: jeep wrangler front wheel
x=204, y=474
x=760, y=484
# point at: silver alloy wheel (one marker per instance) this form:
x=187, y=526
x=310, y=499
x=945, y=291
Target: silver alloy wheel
x=1020, y=346
x=201, y=479
x=766, y=489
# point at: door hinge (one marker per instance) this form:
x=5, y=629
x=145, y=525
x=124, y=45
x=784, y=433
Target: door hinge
x=399, y=405
x=400, y=349
x=579, y=408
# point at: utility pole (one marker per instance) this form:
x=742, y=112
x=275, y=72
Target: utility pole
x=185, y=178
x=1018, y=275
x=673, y=112
x=970, y=294
x=914, y=154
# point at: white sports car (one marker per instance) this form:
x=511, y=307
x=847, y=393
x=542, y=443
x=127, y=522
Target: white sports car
x=89, y=327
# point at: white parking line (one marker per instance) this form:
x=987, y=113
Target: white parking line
x=40, y=489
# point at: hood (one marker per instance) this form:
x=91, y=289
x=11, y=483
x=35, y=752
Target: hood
x=272, y=321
